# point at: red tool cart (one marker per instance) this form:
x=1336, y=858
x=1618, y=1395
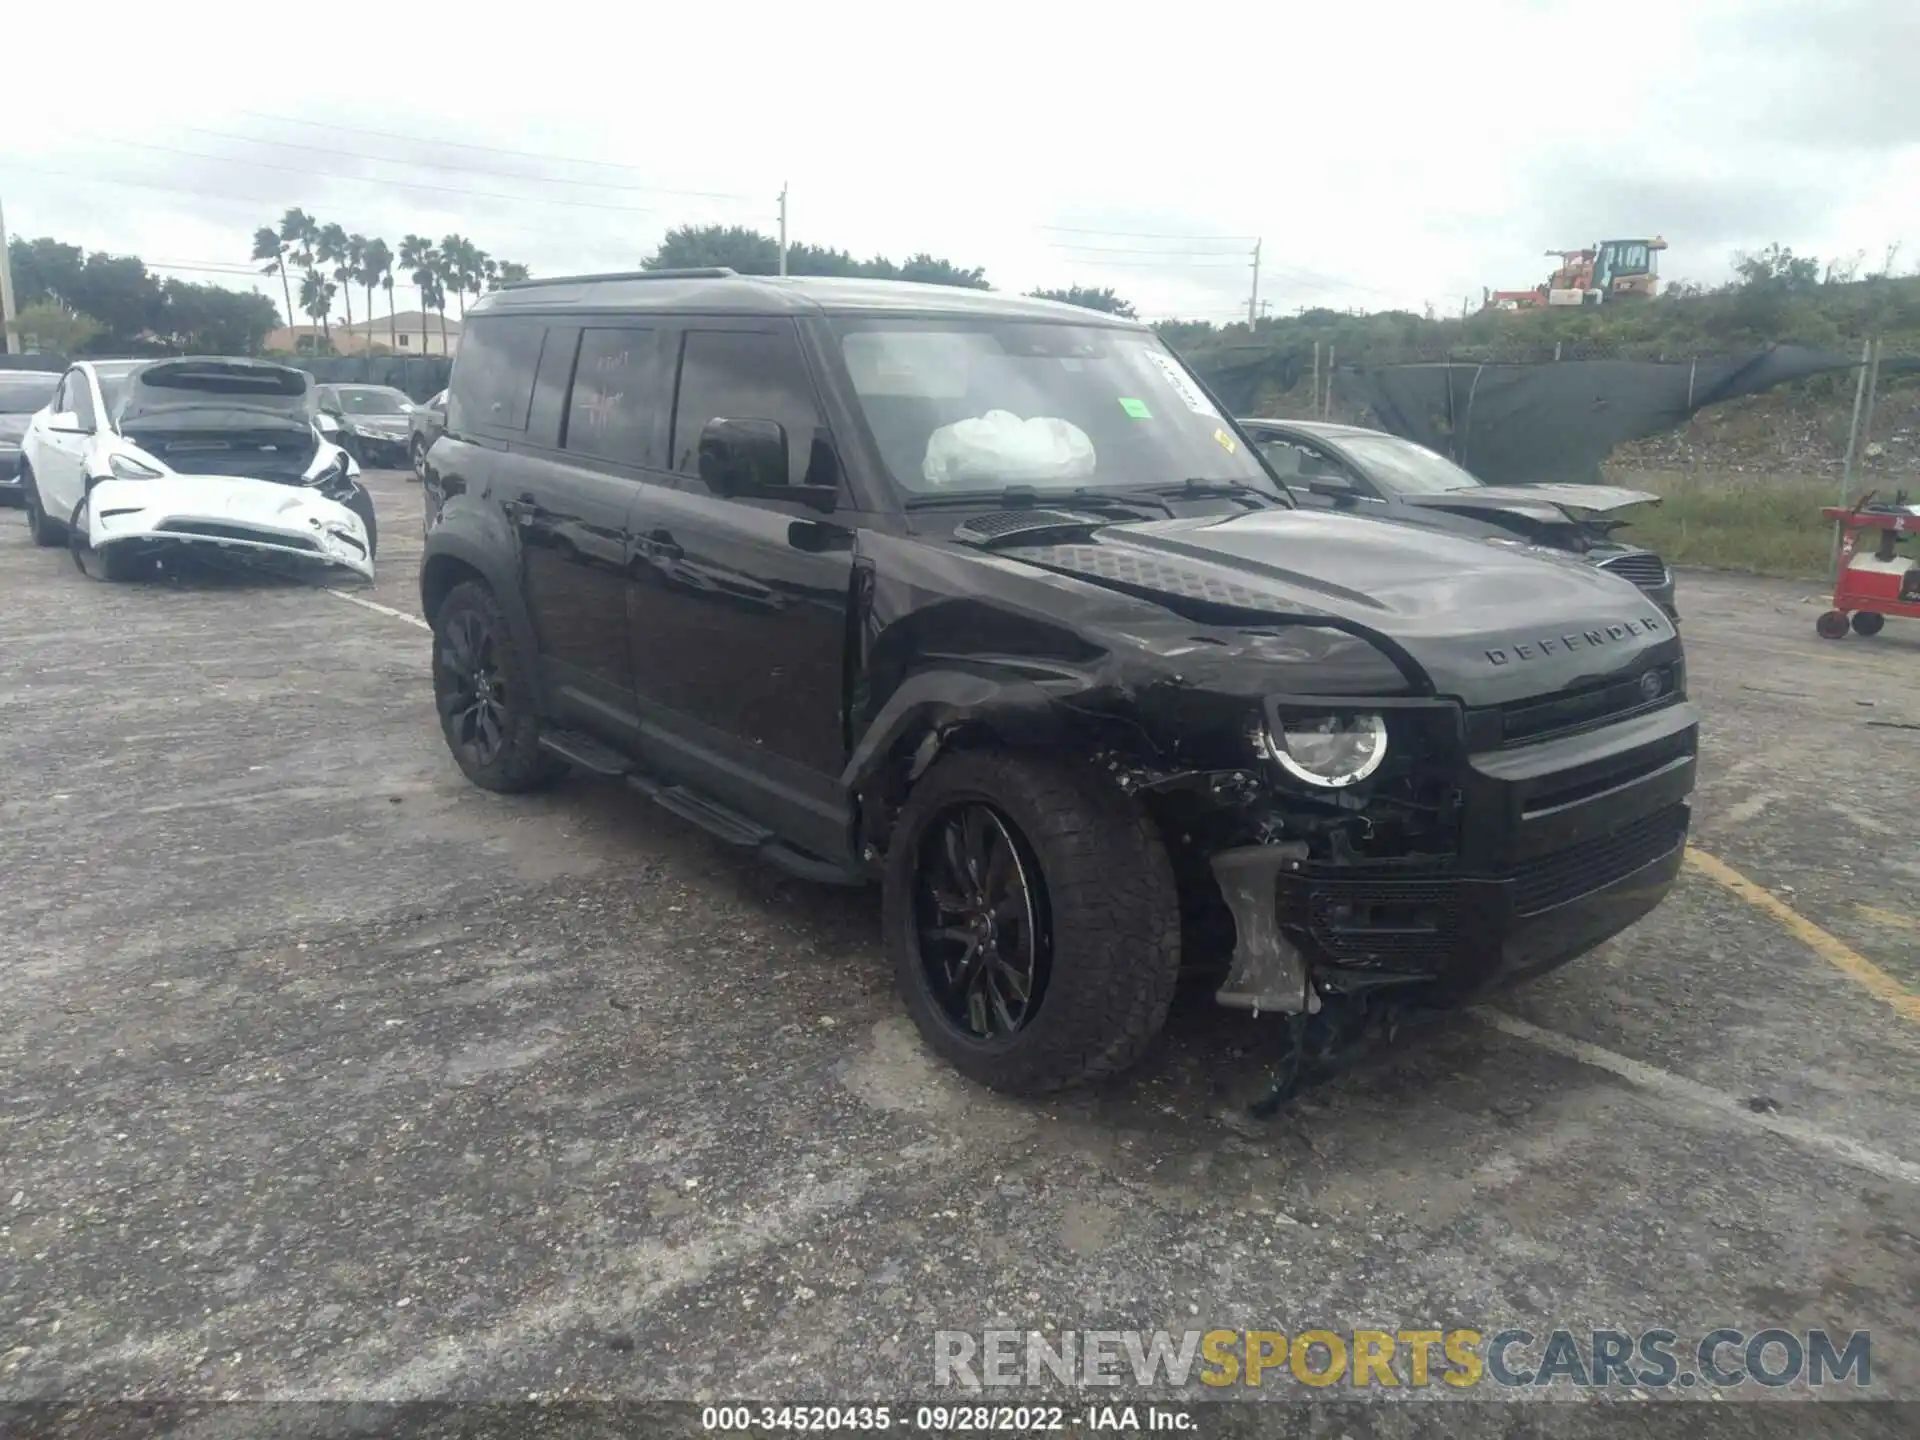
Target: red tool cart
x=1875, y=580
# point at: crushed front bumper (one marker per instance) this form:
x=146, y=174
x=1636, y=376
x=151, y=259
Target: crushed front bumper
x=1564, y=844
x=289, y=524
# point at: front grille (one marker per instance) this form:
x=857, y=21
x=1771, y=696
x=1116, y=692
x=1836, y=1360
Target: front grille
x=1580, y=870
x=1539, y=719
x=1396, y=926
x=1642, y=567
x=214, y=531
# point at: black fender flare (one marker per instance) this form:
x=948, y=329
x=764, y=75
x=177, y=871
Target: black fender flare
x=931, y=702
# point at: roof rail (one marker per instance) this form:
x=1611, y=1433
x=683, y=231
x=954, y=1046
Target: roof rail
x=710, y=272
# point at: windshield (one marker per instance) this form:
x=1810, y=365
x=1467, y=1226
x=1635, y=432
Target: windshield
x=960, y=405
x=113, y=376
x=1411, y=469
x=24, y=394
x=371, y=400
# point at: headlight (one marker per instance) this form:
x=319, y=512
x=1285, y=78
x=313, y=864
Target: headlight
x=124, y=467
x=1328, y=750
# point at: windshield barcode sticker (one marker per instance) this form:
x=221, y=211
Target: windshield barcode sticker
x=1183, y=386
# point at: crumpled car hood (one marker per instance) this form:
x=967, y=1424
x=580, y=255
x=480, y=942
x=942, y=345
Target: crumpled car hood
x=1528, y=499
x=263, y=517
x=1481, y=619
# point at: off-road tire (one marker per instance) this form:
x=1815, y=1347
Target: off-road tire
x=1113, y=920
x=46, y=531
x=521, y=764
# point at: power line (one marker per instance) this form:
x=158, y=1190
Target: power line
x=1143, y=234
x=377, y=180
x=464, y=169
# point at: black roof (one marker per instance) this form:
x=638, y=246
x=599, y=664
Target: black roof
x=725, y=292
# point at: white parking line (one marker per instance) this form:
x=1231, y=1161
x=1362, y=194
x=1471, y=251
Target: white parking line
x=378, y=608
x=1677, y=1087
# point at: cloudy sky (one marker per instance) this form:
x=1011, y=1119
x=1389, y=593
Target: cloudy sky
x=1383, y=153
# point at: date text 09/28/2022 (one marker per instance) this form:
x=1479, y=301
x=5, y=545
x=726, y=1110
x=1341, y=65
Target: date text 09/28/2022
x=946, y=1419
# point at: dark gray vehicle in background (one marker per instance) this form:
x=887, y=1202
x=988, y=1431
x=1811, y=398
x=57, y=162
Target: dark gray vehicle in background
x=427, y=423
x=1369, y=472
x=22, y=393
x=373, y=421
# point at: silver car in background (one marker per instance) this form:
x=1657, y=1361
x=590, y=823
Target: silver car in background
x=22, y=394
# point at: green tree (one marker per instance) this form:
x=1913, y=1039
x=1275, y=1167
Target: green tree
x=931, y=271
x=213, y=320
x=331, y=248
x=376, y=269
x=466, y=268
x=1087, y=298
x=46, y=326
x=269, y=245
x=506, y=272
x=422, y=264
x=44, y=269
x=696, y=247
x=316, y=301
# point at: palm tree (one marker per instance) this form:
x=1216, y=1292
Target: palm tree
x=462, y=266
x=376, y=268
x=422, y=264
x=268, y=246
x=301, y=232
x=505, y=272
x=330, y=248
x=316, y=299
x=479, y=266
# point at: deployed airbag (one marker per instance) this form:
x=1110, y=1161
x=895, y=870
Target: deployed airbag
x=999, y=448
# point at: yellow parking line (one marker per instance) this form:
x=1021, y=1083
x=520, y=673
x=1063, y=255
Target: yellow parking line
x=1892, y=919
x=1836, y=953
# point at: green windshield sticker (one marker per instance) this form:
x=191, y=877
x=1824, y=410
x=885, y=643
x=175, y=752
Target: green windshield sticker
x=1136, y=408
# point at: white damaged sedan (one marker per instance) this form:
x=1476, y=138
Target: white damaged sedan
x=216, y=459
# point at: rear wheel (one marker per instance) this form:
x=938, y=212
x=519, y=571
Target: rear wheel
x=46, y=532
x=1832, y=625
x=1033, y=921
x=1868, y=622
x=481, y=688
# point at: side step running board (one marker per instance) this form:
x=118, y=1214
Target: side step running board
x=585, y=752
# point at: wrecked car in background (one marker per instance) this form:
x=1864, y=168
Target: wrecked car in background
x=215, y=458
x=984, y=599
x=22, y=392
x=371, y=422
x=1369, y=472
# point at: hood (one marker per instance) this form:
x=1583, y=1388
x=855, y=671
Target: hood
x=1536, y=501
x=1481, y=621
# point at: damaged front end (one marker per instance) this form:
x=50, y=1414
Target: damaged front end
x=125, y=525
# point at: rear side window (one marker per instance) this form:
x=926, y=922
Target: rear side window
x=745, y=375
x=492, y=387
x=616, y=396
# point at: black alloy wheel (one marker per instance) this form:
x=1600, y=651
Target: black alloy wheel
x=472, y=693
x=983, y=951
x=486, y=708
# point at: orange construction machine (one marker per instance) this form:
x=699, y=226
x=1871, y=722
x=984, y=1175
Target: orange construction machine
x=1609, y=270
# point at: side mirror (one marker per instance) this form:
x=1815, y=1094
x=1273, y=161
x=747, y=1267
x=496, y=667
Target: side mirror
x=65, y=423
x=1330, y=489
x=747, y=460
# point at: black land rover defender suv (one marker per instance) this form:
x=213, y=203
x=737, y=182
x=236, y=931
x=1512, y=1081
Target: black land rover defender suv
x=986, y=599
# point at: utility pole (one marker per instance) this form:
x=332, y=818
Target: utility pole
x=1253, y=296
x=7, y=314
x=783, y=227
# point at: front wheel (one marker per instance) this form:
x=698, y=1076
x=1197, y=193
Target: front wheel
x=1832, y=625
x=46, y=532
x=1032, y=918
x=485, y=700
x=1868, y=622
x=362, y=505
